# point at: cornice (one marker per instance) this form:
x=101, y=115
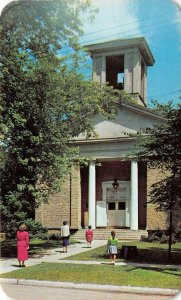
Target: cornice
x=143, y=110
x=107, y=140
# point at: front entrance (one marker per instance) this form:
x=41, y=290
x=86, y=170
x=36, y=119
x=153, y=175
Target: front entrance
x=114, y=208
x=116, y=213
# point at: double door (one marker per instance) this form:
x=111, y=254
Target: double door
x=113, y=210
x=118, y=205
x=116, y=213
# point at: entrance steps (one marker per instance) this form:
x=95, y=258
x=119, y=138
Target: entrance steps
x=121, y=234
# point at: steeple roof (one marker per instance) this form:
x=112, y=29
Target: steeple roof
x=120, y=44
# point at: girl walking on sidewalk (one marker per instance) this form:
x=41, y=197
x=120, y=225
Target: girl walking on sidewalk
x=89, y=236
x=112, y=247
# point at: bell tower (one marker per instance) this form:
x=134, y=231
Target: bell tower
x=123, y=64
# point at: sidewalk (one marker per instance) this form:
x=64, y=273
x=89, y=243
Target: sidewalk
x=55, y=255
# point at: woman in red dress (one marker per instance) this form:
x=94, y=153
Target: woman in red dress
x=22, y=244
x=89, y=236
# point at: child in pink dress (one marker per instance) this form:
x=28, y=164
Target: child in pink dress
x=89, y=236
x=22, y=244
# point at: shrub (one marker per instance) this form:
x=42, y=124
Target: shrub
x=36, y=230
x=178, y=236
x=162, y=236
x=54, y=237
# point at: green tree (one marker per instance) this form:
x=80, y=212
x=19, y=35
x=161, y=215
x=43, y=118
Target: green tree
x=161, y=148
x=162, y=109
x=46, y=101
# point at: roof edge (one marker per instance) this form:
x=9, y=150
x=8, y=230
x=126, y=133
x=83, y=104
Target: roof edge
x=139, y=42
x=142, y=109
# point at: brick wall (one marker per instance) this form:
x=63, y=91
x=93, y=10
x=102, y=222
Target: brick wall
x=64, y=205
x=157, y=219
x=76, y=198
x=57, y=209
x=160, y=220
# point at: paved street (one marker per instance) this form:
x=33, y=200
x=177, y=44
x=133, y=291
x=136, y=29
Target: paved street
x=47, y=293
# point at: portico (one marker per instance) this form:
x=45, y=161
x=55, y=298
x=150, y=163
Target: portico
x=101, y=205
x=117, y=208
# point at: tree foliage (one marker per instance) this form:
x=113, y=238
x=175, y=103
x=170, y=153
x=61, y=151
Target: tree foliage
x=162, y=149
x=45, y=100
x=162, y=109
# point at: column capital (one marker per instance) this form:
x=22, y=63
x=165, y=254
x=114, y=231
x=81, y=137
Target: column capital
x=92, y=161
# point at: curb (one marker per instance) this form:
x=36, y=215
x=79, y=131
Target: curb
x=84, y=286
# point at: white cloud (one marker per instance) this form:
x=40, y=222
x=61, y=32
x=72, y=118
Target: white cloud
x=115, y=19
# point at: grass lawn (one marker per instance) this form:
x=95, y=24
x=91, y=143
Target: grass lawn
x=101, y=274
x=104, y=274
x=147, y=253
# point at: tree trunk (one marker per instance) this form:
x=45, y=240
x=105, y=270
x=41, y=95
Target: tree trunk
x=170, y=239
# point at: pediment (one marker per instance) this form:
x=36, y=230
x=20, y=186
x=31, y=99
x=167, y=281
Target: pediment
x=129, y=120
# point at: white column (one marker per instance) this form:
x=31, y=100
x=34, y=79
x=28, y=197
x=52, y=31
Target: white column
x=134, y=196
x=92, y=195
x=103, y=71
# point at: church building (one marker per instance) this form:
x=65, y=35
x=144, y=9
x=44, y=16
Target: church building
x=112, y=192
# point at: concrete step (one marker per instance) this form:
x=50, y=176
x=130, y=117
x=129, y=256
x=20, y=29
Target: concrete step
x=103, y=234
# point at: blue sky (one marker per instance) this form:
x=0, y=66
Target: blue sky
x=159, y=21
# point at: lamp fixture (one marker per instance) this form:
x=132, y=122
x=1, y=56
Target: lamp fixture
x=115, y=184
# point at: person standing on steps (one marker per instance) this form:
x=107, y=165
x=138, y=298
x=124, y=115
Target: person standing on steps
x=65, y=234
x=89, y=236
x=22, y=244
x=112, y=247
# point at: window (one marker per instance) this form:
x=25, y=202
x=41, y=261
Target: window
x=121, y=206
x=111, y=205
